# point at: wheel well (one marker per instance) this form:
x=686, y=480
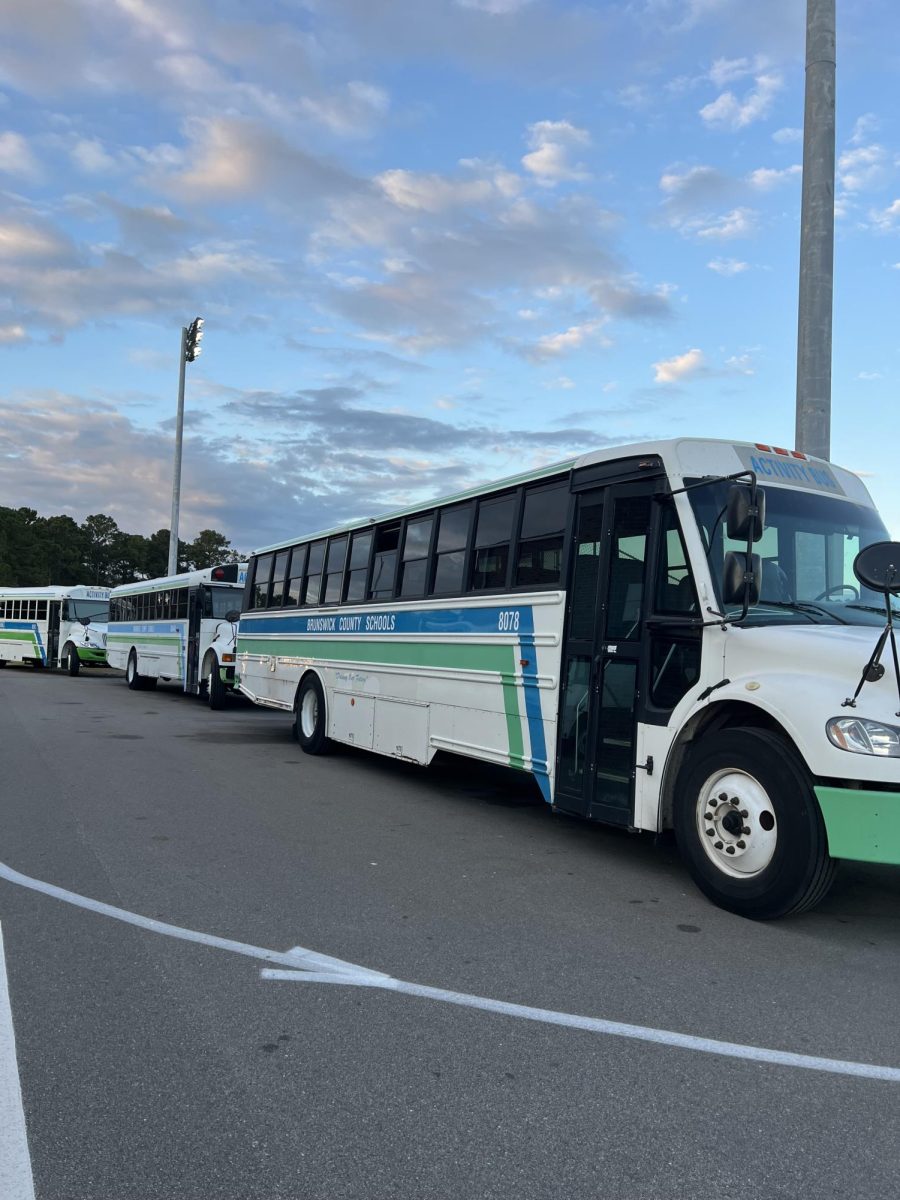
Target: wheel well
x=303, y=678
x=729, y=714
x=208, y=659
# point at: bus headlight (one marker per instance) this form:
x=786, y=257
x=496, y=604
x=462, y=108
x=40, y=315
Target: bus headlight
x=861, y=736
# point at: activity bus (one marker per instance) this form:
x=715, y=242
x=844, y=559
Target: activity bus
x=178, y=629
x=630, y=629
x=57, y=627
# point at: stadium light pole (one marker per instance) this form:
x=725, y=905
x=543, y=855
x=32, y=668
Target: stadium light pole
x=813, y=421
x=191, y=336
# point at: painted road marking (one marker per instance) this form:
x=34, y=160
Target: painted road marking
x=16, y=1182
x=308, y=966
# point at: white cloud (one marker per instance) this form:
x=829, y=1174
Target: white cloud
x=740, y=364
x=551, y=142
x=680, y=367
x=351, y=111
x=496, y=8
x=436, y=193
x=728, y=266
x=16, y=157
x=869, y=375
x=727, y=70
x=554, y=344
x=11, y=334
x=739, y=223
x=863, y=128
x=863, y=167
x=91, y=157
x=886, y=219
x=561, y=382
x=728, y=112
x=786, y=136
x=766, y=178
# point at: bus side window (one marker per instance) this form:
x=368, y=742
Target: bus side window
x=492, y=538
x=384, y=563
x=261, y=578
x=674, y=586
x=334, y=569
x=539, y=554
x=313, y=587
x=293, y=592
x=414, y=567
x=450, y=549
x=42, y=610
x=279, y=573
x=358, y=566
x=182, y=606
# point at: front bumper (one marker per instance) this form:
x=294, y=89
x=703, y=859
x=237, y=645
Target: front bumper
x=91, y=654
x=861, y=825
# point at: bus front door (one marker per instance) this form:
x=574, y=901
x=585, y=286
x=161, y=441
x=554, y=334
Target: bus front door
x=195, y=616
x=602, y=653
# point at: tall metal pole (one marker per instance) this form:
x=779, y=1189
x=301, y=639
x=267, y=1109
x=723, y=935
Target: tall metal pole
x=176, y=479
x=813, y=432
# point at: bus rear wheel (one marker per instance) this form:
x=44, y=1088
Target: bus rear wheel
x=749, y=827
x=309, y=717
x=70, y=655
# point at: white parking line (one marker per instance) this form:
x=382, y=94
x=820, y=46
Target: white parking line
x=308, y=966
x=16, y=1182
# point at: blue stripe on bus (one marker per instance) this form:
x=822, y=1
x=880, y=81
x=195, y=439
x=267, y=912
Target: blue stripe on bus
x=146, y=627
x=528, y=657
x=446, y=621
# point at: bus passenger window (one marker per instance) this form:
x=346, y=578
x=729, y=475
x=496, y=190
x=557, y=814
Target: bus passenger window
x=450, y=558
x=334, y=569
x=314, y=573
x=384, y=564
x=539, y=556
x=294, y=590
x=413, y=570
x=276, y=598
x=492, y=538
x=261, y=581
x=358, y=567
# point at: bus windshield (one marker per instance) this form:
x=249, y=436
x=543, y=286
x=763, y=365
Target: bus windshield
x=218, y=601
x=807, y=553
x=96, y=610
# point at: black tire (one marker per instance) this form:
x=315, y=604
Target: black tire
x=137, y=683
x=216, y=691
x=309, y=717
x=2, y=662
x=70, y=655
x=745, y=794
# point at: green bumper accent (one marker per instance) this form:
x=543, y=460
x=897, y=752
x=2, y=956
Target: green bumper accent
x=861, y=825
x=90, y=654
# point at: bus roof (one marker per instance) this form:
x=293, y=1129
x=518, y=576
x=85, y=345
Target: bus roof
x=78, y=591
x=185, y=579
x=671, y=450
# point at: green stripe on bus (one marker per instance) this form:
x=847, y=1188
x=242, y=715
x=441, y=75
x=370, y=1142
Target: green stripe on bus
x=18, y=635
x=135, y=639
x=496, y=659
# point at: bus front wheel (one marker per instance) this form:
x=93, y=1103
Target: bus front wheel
x=749, y=827
x=216, y=691
x=73, y=663
x=137, y=683
x=309, y=717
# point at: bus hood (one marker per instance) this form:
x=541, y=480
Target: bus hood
x=828, y=658
x=95, y=634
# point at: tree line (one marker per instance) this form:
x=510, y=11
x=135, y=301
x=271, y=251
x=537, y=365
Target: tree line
x=36, y=551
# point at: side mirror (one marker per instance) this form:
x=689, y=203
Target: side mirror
x=745, y=521
x=878, y=567
x=85, y=621
x=233, y=615
x=741, y=582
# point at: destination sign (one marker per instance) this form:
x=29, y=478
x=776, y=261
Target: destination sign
x=797, y=472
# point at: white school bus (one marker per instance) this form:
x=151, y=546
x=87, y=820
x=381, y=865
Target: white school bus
x=633, y=630
x=57, y=627
x=178, y=629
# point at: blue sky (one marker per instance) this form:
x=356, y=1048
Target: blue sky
x=434, y=241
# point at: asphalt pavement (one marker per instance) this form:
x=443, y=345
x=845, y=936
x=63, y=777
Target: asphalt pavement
x=154, y=1068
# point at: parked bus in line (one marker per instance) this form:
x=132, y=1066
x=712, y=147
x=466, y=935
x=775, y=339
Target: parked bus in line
x=629, y=628
x=178, y=629
x=57, y=627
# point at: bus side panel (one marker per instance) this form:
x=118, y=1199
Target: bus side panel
x=486, y=683
x=161, y=647
x=23, y=641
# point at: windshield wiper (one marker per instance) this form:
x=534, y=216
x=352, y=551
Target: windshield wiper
x=802, y=606
x=875, y=608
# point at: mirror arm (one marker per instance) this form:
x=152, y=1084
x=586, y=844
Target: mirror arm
x=751, y=475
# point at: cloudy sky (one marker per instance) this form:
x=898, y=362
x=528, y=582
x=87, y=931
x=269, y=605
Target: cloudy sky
x=434, y=241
